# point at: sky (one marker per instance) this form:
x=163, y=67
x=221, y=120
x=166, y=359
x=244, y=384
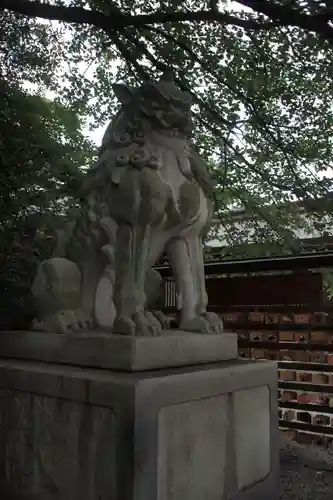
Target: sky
x=97, y=134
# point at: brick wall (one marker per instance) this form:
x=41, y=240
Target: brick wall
x=302, y=344
x=283, y=318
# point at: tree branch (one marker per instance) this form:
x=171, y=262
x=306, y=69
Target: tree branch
x=207, y=66
x=288, y=16
x=80, y=15
x=215, y=116
x=56, y=12
x=279, y=15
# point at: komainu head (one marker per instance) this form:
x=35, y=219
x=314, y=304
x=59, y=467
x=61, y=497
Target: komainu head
x=159, y=106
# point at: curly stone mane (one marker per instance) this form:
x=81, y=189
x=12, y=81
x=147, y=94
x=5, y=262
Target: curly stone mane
x=160, y=107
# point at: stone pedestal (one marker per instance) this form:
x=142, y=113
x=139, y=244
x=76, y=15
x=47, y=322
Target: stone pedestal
x=201, y=427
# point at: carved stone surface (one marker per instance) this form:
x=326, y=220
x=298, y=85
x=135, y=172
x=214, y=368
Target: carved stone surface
x=193, y=437
x=148, y=192
x=119, y=352
x=61, y=448
x=252, y=431
x=71, y=433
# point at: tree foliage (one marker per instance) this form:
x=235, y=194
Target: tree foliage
x=261, y=79
x=42, y=153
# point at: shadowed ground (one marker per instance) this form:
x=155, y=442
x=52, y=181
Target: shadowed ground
x=306, y=472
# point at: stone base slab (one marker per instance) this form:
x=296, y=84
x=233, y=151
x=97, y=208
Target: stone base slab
x=191, y=433
x=119, y=352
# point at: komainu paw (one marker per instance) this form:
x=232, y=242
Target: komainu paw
x=140, y=324
x=207, y=322
x=162, y=318
x=64, y=321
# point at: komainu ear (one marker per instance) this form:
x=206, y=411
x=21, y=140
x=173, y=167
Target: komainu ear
x=123, y=92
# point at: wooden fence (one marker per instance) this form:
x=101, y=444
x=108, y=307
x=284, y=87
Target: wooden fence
x=284, y=317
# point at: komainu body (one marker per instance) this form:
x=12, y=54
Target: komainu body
x=149, y=192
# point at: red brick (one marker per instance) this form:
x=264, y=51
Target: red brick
x=272, y=336
x=303, y=398
x=244, y=335
x=301, y=337
x=256, y=317
x=286, y=319
x=319, y=399
x=319, y=337
x=304, y=377
x=319, y=318
x=330, y=319
x=286, y=336
x=323, y=399
x=272, y=319
x=315, y=398
x=304, y=416
x=257, y=336
x=289, y=415
x=303, y=356
x=233, y=317
x=301, y=319
x=288, y=396
x=287, y=375
x=319, y=378
x=320, y=419
x=318, y=357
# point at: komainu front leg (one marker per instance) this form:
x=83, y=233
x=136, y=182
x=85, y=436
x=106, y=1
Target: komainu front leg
x=154, y=290
x=186, y=258
x=129, y=294
x=139, y=207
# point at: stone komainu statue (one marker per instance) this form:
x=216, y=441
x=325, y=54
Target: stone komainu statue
x=148, y=192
